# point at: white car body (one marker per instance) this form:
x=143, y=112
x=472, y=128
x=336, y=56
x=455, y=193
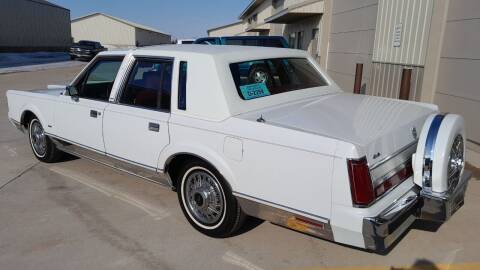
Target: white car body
x=284, y=156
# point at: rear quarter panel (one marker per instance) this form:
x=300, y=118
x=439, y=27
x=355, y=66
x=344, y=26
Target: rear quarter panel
x=260, y=162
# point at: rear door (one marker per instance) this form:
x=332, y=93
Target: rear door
x=79, y=119
x=136, y=124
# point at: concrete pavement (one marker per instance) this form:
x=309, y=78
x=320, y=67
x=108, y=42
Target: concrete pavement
x=80, y=215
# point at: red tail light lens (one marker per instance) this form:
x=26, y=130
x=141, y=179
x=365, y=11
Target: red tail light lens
x=395, y=179
x=360, y=182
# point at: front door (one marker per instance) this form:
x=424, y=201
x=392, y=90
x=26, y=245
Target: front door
x=79, y=119
x=136, y=125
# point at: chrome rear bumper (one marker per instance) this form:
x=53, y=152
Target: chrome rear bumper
x=381, y=231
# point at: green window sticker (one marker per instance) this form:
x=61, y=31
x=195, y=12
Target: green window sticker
x=254, y=90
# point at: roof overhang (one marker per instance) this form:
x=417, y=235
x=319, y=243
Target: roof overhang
x=258, y=27
x=249, y=8
x=297, y=12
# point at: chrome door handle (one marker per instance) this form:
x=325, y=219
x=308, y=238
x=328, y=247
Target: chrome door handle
x=155, y=127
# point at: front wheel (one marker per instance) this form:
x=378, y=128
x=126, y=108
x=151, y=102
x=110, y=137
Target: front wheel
x=42, y=146
x=207, y=201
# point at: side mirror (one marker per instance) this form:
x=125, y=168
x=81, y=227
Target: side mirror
x=72, y=92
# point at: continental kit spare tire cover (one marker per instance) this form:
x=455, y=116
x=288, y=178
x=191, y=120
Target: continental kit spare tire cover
x=440, y=158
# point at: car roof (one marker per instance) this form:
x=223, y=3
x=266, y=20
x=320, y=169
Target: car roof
x=221, y=51
x=247, y=37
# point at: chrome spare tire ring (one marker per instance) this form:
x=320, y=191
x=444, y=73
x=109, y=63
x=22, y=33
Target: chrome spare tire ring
x=38, y=138
x=203, y=197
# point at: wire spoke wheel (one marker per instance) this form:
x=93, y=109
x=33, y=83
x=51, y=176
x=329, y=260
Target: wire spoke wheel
x=204, y=197
x=38, y=138
x=456, y=161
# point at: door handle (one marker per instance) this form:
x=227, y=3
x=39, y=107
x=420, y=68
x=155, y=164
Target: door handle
x=155, y=127
x=94, y=113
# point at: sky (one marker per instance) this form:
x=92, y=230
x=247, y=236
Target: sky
x=180, y=18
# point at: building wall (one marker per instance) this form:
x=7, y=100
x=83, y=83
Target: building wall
x=32, y=26
x=457, y=88
x=109, y=32
x=228, y=30
x=306, y=26
x=147, y=38
x=350, y=40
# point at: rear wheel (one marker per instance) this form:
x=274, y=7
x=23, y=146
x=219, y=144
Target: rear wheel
x=207, y=201
x=42, y=146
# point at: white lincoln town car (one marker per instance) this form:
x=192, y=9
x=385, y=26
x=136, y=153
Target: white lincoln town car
x=249, y=131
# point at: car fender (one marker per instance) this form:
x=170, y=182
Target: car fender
x=202, y=152
x=36, y=111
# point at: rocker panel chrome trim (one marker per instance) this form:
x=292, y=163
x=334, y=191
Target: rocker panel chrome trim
x=284, y=218
x=130, y=167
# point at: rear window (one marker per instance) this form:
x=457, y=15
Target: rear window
x=260, y=78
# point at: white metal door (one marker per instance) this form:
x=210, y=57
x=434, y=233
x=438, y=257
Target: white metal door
x=80, y=122
x=135, y=135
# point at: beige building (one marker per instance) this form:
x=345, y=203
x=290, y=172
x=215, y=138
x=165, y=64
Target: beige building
x=33, y=25
x=437, y=42
x=114, y=32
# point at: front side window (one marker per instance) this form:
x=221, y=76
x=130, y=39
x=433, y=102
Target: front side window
x=149, y=85
x=260, y=78
x=98, y=81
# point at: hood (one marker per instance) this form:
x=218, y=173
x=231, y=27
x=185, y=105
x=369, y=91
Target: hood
x=375, y=124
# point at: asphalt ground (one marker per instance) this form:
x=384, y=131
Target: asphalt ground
x=77, y=214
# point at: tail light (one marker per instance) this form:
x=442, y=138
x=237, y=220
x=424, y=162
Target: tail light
x=360, y=182
x=398, y=177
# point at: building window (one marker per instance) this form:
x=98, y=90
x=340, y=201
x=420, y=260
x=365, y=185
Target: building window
x=291, y=40
x=300, y=40
x=277, y=3
x=252, y=19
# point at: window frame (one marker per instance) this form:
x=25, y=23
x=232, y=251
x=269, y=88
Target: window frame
x=88, y=70
x=131, y=68
x=237, y=86
x=183, y=90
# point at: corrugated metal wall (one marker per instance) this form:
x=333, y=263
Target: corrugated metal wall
x=409, y=21
x=352, y=33
x=109, y=32
x=29, y=26
x=386, y=79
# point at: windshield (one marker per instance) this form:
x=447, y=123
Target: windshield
x=260, y=78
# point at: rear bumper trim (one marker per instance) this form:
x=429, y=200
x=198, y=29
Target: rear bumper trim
x=381, y=231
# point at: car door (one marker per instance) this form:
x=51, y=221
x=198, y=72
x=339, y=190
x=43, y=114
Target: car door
x=79, y=118
x=136, y=124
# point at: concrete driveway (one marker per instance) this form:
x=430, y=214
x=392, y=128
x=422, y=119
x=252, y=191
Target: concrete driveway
x=80, y=215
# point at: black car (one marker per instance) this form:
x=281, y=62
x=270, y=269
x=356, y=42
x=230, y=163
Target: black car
x=85, y=49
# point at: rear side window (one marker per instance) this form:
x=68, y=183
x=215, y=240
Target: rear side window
x=149, y=85
x=182, y=86
x=266, y=77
